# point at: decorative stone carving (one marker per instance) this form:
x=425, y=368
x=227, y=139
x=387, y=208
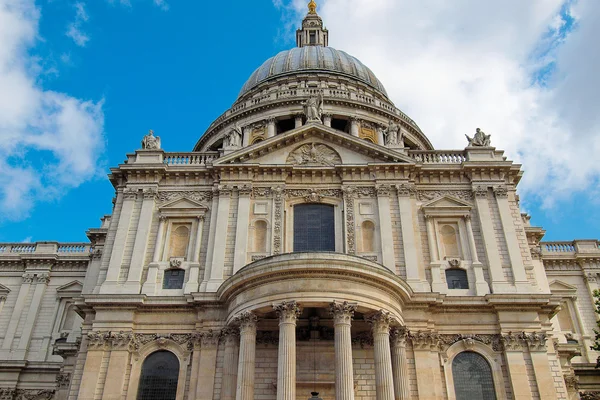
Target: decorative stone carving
x=589, y=395
x=277, y=223
x=494, y=341
x=513, y=342
x=313, y=108
x=42, y=278
x=480, y=191
x=151, y=142
x=380, y=321
x=245, y=190
x=501, y=192
x=399, y=336
x=288, y=311
x=342, y=312
x=383, y=190
x=454, y=262
x=225, y=190
x=591, y=277
x=205, y=196
x=150, y=193
x=130, y=193
x=33, y=394
x=480, y=139
x=572, y=381
x=63, y=380
x=7, y=394
x=176, y=262
x=234, y=137
x=536, y=341
x=230, y=334
x=436, y=194
x=210, y=338
x=121, y=340
x=261, y=192
x=393, y=135
x=245, y=320
x=314, y=154
x=363, y=339
x=405, y=190
x=313, y=195
x=425, y=340
x=349, y=194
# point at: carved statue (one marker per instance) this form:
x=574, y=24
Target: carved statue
x=480, y=139
x=313, y=108
x=393, y=135
x=151, y=142
x=234, y=137
x=316, y=154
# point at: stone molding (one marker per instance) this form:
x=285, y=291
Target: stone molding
x=430, y=195
x=493, y=341
x=535, y=341
x=591, y=277
x=313, y=195
x=133, y=342
x=28, y=278
x=261, y=192
x=199, y=196
x=342, y=312
x=572, y=381
x=349, y=195
x=425, y=340
x=287, y=311
x=224, y=191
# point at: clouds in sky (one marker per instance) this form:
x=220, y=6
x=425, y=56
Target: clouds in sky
x=74, y=30
x=523, y=71
x=51, y=141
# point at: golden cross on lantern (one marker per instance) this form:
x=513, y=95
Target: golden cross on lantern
x=312, y=7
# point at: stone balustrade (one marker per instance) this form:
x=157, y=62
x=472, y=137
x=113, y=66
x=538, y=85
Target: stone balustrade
x=558, y=247
x=7, y=249
x=190, y=158
x=571, y=249
x=438, y=157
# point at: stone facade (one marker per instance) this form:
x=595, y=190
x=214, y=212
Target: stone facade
x=430, y=259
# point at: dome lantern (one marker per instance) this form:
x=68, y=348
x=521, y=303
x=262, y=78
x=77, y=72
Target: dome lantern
x=312, y=33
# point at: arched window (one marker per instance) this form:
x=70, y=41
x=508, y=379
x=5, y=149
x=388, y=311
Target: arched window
x=472, y=377
x=457, y=279
x=173, y=279
x=160, y=373
x=368, y=236
x=450, y=241
x=260, y=236
x=314, y=228
x=180, y=238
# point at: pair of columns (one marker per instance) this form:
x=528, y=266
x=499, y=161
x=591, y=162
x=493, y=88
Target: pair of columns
x=391, y=371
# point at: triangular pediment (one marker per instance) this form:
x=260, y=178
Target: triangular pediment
x=70, y=289
x=447, y=206
x=314, y=145
x=447, y=202
x=4, y=290
x=563, y=288
x=183, y=203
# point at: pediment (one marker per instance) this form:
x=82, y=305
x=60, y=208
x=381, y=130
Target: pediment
x=314, y=145
x=182, y=203
x=70, y=289
x=563, y=288
x=4, y=290
x=447, y=201
x=447, y=206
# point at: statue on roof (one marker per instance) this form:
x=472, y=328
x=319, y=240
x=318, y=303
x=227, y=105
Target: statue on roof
x=313, y=108
x=234, y=137
x=393, y=136
x=151, y=142
x=480, y=139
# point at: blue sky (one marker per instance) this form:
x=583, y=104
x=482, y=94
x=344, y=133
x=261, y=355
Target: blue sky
x=174, y=67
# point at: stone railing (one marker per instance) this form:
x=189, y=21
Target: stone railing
x=438, y=156
x=190, y=158
x=45, y=248
x=558, y=247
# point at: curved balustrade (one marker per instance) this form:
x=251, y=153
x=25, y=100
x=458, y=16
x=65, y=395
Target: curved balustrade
x=438, y=157
x=190, y=158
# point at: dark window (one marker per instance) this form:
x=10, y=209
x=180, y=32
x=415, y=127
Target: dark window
x=173, y=279
x=313, y=38
x=340, y=124
x=160, y=373
x=472, y=377
x=314, y=228
x=457, y=279
x=285, y=125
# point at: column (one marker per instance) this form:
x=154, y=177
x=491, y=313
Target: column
x=118, y=250
x=241, y=234
x=271, y=127
x=354, y=126
x=409, y=240
x=436, y=274
x=207, y=365
x=298, y=120
x=385, y=223
x=141, y=242
x=380, y=137
x=218, y=259
x=230, y=363
x=327, y=120
x=481, y=286
x=247, y=133
x=149, y=287
x=517, y=370
x=399, y=365
x=41, y=281
x=288, y=313
x=245, y=384
x=117, y=366
x=193, y=281
x=536, y=342
x=512, y=242
x=380, y=322
x=16, y=314
x=499, y=284
x=344, y=371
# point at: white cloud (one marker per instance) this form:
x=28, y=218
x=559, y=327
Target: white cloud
x=162, y=4
x=74, y=30
x=454, y=66
x=51, y=142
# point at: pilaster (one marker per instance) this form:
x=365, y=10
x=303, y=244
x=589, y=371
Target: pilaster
x=192, y=284
x=481, y=286
x=16, y=314
x=231, y=336
x=355, y=126
x=517, y=369
x=40, y=281
x=385, y=223
x=243, y=222
x=117, y=366
x=218, y=259
x=427, y=362
x=207, y=365
x=149, y=286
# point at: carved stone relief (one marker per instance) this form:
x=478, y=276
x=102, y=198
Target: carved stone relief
x=314, y=154
x=429, y=195
x=205, y=196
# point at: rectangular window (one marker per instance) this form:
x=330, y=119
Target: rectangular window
x=313, y=38
x=314, y=227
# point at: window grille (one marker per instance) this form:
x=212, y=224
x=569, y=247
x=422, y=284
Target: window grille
x=314, y=228
x=173, y=279
x=159, y=378
x=457, y=279
x=472, y=377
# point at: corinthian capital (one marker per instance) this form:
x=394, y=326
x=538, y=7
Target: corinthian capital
x=380, y=322
x=501, y=192
x=399, y=336
x=383, y=190
x=342, y=312
x=288, y=311
x=246, y=321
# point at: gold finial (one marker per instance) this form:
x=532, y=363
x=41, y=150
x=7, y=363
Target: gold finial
x=312, y=7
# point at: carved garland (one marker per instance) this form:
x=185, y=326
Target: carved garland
x=26, y=394
x=430, y=195
x=205, y=196
x=349, y=195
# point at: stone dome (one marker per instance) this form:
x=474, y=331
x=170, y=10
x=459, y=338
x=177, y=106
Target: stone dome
x=312, y=59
